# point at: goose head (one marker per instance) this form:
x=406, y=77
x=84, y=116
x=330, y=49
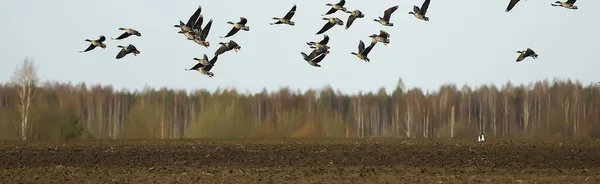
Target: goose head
x=237, y=48
x=292, y=23
x=103, y=45
x=211, y=74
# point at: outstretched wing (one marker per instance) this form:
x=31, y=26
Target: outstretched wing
x=326, y=27
x=425, y=6
x=221, y=50
x=121, y=53
x=361, y=46
x=194, y=17
x=232, y=32
x=198, y=24
x=350, y=21
x=243, y=20
x=124, y=35
x=368, y=49
x=332, y=10
x=342, y=3
x=571, y=1
x=511, y=5
x=212, y=63
x=205, y=31
x=290, y=14
x=388, y=13
x=325, y=40
x=384, y=34
x=92, y=46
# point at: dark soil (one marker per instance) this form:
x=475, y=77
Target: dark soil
x=301, y=161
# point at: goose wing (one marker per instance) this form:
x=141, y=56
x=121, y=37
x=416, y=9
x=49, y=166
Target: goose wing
x=101, y=39
x=232, y=32
x=388, y=13
x=231, y=45
x=121, y=53
x=425, y=6
x=124, y=35
x=196, y=66
x=305, y=56
x=325, y=40
x=342, y=3
x=198, y=24
x=361, y=46
x=205, y=31
x=571, y=1
x=212, y=63
x=529, y=52
x=367, y=50
x=243, y=20
x=332, y=10
x=290, y=14
x=319, y=58
x=221, y=50
x=326, y=27
x=384, y=34
x=92, y=46
x=511, y=5
x=351, y=19
x=194, y=17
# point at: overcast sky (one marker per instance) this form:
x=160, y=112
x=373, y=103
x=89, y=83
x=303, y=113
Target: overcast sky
x=465, y=42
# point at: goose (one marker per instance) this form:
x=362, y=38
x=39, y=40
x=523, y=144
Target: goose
x=205, y=68
x=567, y=4
x=231, y=45
x=363, y=52
x=335, y=7
x=201, y=38
x=353, y=15
x=387, y=14
x=196, y=29
x=237, y=26
x=511, y=5
x=128, y=32
x=95, y=43
x=420, y=13
x=526, y=53
x=287, y=19
x=126, y=50
x=330, y=23
x=383, y=37
x=191, y=21
x=321, y=44
x=203, y=61
x=314, y=57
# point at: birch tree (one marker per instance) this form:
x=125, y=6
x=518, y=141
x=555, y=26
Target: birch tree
x=25, y=78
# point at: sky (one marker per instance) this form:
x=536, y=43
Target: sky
x=465, y=42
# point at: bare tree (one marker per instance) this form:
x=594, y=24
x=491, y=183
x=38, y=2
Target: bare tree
x=25, y=79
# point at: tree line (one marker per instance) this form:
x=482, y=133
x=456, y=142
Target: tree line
x=53, y=111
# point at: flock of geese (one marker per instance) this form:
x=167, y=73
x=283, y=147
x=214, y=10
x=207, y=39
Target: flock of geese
x=194, y=31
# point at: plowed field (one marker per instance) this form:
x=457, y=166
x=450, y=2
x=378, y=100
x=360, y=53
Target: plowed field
x=301, y=161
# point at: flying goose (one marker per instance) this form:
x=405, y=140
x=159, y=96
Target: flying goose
x=231, y=45
x=383, y=37
x=567, y=4
x=126, y=50
x=191, y=21
x=321, y=44
x=196, y=29
x=201, y=37
x=94, y=43
x=526, y=53
x=128, y=32
x=287, y=19
x=314, y=57
x=335, y=7
x=237, y=26
x=205, y=68
x=420, y=13
x=330, y=23
x=363, y=52
x=511, y=5
x=387, y=14
x=353, y=15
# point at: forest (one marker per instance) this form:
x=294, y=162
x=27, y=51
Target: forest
x=33, y=110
